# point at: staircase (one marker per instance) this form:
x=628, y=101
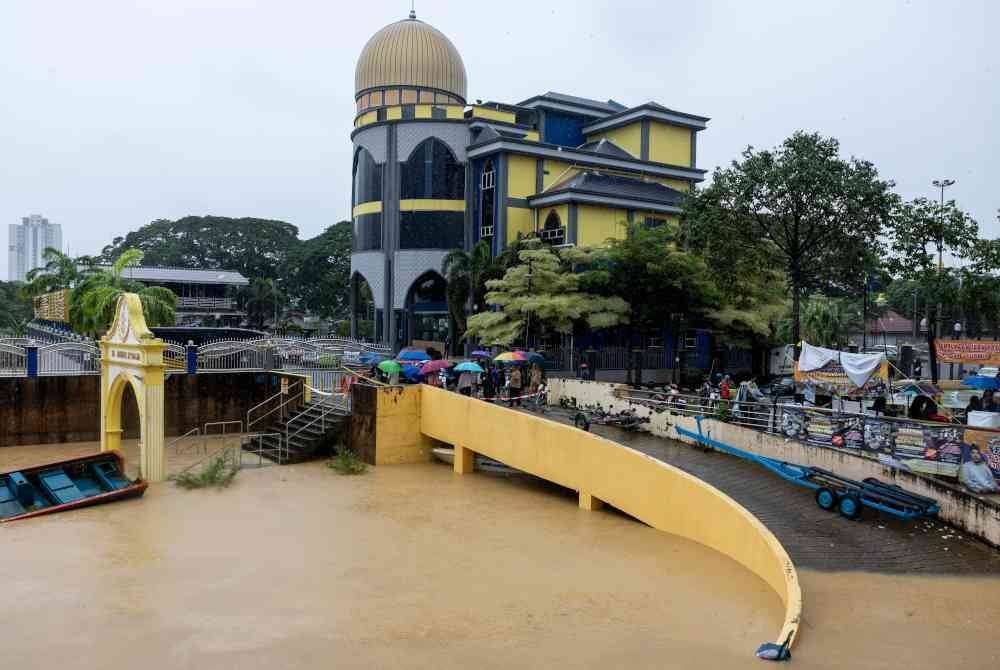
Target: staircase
x=309, y=434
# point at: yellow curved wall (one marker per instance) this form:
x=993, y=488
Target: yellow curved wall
x=648, y=489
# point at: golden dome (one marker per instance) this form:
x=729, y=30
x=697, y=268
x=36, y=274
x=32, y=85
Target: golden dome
x=410, y=53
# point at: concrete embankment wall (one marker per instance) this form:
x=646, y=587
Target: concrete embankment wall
x=45, y=410
x=600, y=470
x=976, y=515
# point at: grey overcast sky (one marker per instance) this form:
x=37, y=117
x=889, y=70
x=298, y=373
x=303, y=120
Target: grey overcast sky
x=119, y=112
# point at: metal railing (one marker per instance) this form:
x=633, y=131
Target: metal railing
x=224, y=425
x=327, y=406
x=69, y=358
x=282, y=450
x=13, y=359
x=295, y=392
x=205, y=303
x=176, y=442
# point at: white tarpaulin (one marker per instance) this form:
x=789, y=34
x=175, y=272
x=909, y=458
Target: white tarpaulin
x=858, y=367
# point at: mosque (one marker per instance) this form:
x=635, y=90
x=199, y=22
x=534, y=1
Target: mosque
x=433, y=172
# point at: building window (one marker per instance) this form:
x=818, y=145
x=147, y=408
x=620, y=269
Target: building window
x=439, y=113
x=409, y=112
x=376, y=98
x=367, y=178
x=487, y=199
x=431, y=230
x=392, y=97
x=409, y=96
x=426, y=96
x=381, y=114
x=553, y=232
x=431, y=172
x=367, y=232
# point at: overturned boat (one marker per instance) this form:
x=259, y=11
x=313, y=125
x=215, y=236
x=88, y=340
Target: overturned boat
x=66, y=485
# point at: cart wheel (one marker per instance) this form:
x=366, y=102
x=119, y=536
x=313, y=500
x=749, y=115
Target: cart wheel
x=580, y=421
x=849, y=506
x=826, y=498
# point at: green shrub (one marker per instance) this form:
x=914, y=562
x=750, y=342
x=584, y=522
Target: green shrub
x=219, y=473
x=346, y=462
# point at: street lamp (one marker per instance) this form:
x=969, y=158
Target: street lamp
x=957, y=330
x=941, y=184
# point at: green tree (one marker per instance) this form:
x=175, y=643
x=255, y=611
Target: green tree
x=465, y=273
x=94, y=298
x=825, y=321
x=15, y=309
x=542, y=294
x=256, y=248
x=316, y=272
x=819, y=216
x=59, y=272
x=262, y=300
x=923, y=232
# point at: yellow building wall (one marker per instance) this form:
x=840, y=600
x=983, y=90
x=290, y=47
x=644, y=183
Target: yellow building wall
x=397, y=421
x=532, y=136
x=595, y=224
x=627, y=137
x=669, y=144
x=520, y=176
x=519, y=220
x=646, y=488
x=493, y=114
x=556, y=171
x=426, y=205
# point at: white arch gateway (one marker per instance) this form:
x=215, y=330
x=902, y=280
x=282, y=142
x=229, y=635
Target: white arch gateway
x=130, y=354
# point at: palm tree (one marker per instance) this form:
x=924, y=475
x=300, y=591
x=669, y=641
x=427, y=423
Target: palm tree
x=94, y=298
x=59, y=272
x=465, y=273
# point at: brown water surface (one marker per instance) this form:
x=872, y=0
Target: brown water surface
x=415, y=567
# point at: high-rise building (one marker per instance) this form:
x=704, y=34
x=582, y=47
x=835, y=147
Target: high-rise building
x=27, y=242
x=433, y=173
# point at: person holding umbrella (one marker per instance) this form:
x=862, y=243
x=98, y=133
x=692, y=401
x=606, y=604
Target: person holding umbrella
x=514, y=395
x=468, y=377
x=489, y=388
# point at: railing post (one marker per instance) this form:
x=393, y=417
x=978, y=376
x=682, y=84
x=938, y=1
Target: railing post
x=31, y=360
x=192, y=358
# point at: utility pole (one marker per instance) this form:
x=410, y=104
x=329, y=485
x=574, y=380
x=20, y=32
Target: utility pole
x=941, y=184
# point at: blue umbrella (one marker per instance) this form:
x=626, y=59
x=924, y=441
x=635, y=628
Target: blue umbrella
x=534, y=357
x=370, y=357
x=468, y=366
x=982, y=383
x=411, y=372
x=414, y=356
x=481, y=354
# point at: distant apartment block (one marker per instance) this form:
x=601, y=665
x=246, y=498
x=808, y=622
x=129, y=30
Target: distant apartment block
x=27, y=241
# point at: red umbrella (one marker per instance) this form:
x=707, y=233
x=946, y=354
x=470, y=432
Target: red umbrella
x=434, y=366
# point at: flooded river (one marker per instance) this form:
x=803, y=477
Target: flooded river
x=415, y=567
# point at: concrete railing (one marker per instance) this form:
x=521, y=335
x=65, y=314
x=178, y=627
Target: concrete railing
x=652, y=491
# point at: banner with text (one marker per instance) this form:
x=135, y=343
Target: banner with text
x=969, y=352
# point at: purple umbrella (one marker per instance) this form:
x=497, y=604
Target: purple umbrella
x=481, y=354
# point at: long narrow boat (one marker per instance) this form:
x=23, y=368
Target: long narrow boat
x=66, y=485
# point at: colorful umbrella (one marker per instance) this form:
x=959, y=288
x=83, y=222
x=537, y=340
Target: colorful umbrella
x=389, y=367
x=481, y=354
x=411, y=372
x=414, y=356
x=434, y=366
x=980, y=382
x=511, y=357
x=468, y=366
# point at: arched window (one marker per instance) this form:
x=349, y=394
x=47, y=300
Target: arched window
x=367, y=178
x=553, y=232
x=487, y=199
x=431, y=172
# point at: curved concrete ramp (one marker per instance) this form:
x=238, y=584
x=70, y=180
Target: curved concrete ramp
x=603, y=471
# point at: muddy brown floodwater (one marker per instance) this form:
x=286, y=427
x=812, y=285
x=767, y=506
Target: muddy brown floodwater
x=416, y=567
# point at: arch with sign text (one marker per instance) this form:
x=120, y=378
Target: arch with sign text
x=132, y=356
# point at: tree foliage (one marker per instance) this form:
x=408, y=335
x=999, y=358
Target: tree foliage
x=316, y=272
x=15, y=309
x=816, y=214
x=94, y=298
x=466, y=273
x=542, y=294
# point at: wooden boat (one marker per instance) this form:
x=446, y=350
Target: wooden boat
x=482, y=463
x=66, y=485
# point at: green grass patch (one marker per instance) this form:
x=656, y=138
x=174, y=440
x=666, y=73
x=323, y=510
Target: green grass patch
x=346, y=462
x=218, y=472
